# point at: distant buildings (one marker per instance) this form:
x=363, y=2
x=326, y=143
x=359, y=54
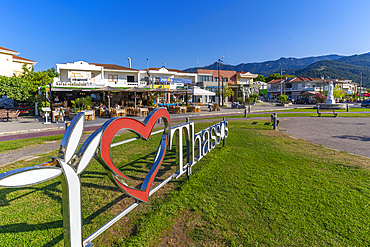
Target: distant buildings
x=11, y=63
x=300, y=87
x=238, y=81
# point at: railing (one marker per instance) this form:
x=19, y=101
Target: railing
x=100, y=83
x=87, y=242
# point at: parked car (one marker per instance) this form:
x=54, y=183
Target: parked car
x=306, y=101
x=24, y=109
x=303, y=101
x=366, y=103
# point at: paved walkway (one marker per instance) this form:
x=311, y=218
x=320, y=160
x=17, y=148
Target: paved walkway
x=350, y=134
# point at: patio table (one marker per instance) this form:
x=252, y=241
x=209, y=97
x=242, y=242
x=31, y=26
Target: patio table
x=121, y=112
x=89, y=115
x=143, y=112
x=182, y=109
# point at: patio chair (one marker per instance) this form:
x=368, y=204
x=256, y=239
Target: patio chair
x=102, y=111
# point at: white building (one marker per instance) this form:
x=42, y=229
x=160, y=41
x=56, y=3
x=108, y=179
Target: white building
x=166, y=78
x=87, y=75
x=11, y=64
x=81, y=74
x=347, y=85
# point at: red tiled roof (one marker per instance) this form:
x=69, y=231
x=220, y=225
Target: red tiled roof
x=295, y=79
x=2, y=48
x=23, y=59
x=113, y=66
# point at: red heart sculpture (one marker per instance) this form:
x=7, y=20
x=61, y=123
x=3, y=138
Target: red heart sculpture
x=144, y=129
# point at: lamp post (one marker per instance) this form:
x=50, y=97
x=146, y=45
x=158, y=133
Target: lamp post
x=323, y=81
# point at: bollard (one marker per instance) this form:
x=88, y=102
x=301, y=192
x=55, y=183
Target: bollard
x=249, y=108
x=67, y=124
x=347, y=108
x=274, y=121
x=318, y=109
x=245, y=113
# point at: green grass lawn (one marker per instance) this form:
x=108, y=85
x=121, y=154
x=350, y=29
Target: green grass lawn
x=262, y=189
x=14, y=144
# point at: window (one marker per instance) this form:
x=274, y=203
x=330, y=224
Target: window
x=131, y=78
x=216, y=79
x=225, y=79
x=113, y=78
x=205, y=78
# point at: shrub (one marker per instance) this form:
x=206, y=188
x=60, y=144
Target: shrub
x=283, y=98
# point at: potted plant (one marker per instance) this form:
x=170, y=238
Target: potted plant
x=87, y=102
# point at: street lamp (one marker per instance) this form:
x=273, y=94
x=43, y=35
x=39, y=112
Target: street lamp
x=323, y=81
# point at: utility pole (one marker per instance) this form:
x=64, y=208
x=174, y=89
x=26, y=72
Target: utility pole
x=219, y=78
x=218, y=81
x=222, y=91
x=281, y=81
x=361, y=86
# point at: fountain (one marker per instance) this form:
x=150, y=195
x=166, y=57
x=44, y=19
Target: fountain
x=330, y=101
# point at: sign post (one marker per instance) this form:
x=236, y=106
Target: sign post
x=47, y=110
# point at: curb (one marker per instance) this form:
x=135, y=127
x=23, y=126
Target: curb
x=28, y=131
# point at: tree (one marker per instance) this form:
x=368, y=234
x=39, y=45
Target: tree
x=227, y=91
x=23, y=87
x=338, y=92
x=260, y=78
x=277, y=76
x=251, y=98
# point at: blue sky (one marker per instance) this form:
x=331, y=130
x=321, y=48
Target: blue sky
x=182, y=33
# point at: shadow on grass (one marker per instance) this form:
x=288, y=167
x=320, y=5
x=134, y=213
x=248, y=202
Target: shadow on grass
x=141, y=164
x=48, y=189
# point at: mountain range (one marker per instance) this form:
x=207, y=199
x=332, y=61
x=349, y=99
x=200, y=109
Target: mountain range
x=330, y=66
